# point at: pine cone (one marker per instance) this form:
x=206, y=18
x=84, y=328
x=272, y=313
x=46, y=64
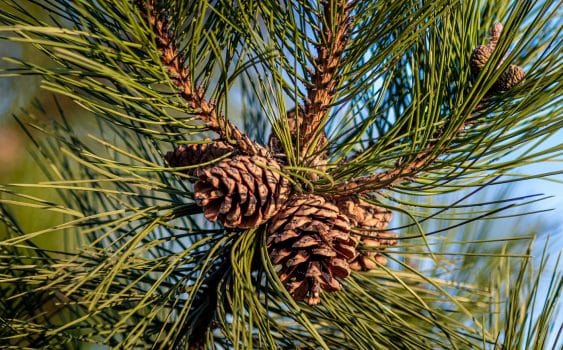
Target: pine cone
x=495, y=31
x=481, y=54
x=194, y=154
x=511, y=77
x=368, y=259
x=241, y=192
x=479, y=58
x=310, y=238
x=367, y=221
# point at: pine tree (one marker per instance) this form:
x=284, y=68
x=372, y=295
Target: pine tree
x=243, y=161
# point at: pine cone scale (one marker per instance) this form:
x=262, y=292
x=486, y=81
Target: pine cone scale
x=366, y=220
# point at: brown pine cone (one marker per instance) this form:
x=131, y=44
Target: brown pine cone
x=481, y=54
x=241, y=192
x=495, y=31
x=194, y=154
x=367, y=222
x=479, y=58
x=511, y=77
x=369, y=258
x=310, y=239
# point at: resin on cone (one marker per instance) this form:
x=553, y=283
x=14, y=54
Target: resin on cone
x=311, y=241
x=242, y=191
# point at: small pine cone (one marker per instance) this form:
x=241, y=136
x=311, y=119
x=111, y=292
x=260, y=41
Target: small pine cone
x=496, y=31
x=194, y=154
x=479, y=58
x=239, y=193
x=310, y=238
x=511, y=77
x=367, y=221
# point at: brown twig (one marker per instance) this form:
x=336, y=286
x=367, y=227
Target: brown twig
x=182, y=78
x=406, y=171
x=480, y=56
x=333, y=37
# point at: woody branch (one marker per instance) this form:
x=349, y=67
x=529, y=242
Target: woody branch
x=325, y=76
x=182, y=79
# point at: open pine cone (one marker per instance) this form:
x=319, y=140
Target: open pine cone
x=242, y=191
x=310, y=239
x=194, y=154
x=367, y=224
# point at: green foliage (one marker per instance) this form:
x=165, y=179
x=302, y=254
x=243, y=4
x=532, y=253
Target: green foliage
x=150, y=272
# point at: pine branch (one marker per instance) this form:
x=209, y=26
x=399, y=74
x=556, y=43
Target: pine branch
x=403, y=171
x=152, y=273
x=181, y=76
x=333, y=37
x=407, y=170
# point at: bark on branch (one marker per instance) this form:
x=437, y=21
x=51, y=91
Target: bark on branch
x=407, y=170
x=182, y=79
x=325, y=76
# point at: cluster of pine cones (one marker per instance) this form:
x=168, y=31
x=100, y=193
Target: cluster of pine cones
x=512, y=76
x=315, y=240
